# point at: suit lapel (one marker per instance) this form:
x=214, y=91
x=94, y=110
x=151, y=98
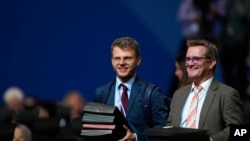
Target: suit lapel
x=207, y=102
x=111, y=98
x=135, y=91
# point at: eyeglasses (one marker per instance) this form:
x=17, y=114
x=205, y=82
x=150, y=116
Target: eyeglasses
x=126, y=59
x=195, y=59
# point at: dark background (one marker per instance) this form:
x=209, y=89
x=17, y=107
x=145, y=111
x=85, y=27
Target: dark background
x=48, y=47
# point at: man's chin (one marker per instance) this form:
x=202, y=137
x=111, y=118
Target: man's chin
x=123, y=75
x=192, y=76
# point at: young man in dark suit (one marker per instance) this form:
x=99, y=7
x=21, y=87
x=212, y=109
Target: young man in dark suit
x=125, y=59
x=216, y=105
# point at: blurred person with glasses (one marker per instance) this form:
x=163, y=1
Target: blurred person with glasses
x=217, y=105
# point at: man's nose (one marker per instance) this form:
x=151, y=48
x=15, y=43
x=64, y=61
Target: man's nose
x=122, y=61
x=191, y=62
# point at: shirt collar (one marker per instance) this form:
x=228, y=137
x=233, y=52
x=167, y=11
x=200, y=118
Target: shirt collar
x=128, y=84
x=205, y=85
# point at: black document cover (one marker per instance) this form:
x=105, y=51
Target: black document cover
x=176, y=134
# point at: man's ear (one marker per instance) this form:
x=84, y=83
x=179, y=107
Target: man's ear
x=212, y=63
x=138, y=59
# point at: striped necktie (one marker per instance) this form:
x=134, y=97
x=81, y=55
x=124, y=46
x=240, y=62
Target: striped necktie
x=191, y=120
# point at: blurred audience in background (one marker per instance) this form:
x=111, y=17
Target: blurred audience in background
x=22, y=133
x=44, y=119
x=246, y=100
x=200, y=19
x=30, y=102
x=180, y=78
x=181, y=71
x=14, y=99
x=75, y=101
x=46, y=109
x=235, y=43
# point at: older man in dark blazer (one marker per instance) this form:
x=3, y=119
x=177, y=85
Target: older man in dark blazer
x=216, y=105
x=125, y=59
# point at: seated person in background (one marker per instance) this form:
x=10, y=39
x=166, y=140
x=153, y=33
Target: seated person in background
x=22, y=133
x=180, y=75
x=30, y=102
x=181, y=71
x=206, y=103
x=43, y=108
x=46, y=109
x=14, y=99
x=75, y=101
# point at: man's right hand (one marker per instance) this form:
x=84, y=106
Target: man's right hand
x=129, y=135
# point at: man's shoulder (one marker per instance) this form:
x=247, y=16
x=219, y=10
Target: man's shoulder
x=185, y=88
x=102, y=91
x=224, y=87
x=107, y=84
x=145, y=82
x=224, y=90
x=180, y=91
